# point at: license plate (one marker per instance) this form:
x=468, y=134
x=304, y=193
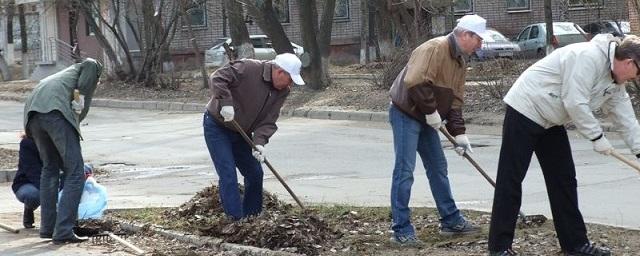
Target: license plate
x=505, y=54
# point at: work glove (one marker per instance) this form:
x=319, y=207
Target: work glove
x=463, y=145
x=227, y=113
x=259, y=153
x=78, y=104
x=434, y=120
x=602, y=146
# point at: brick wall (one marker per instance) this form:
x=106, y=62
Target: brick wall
x=345, y=30
x=511, y=22
x=633, y=18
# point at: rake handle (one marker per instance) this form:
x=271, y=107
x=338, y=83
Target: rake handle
x=631, y=163
x=273, y=170
x=474, y=163
x=125, y=243
x=9, y=228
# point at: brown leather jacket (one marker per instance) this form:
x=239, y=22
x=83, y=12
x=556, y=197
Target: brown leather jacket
x=247, y=86
x=433, y=80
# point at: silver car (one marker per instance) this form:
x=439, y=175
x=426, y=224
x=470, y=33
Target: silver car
x=216, y=56
x=495, y=46
x=533, y=38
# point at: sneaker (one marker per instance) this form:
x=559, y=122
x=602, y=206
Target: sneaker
x=464, y=228
x=589, y=249
x=507, y=252
x=406, y=240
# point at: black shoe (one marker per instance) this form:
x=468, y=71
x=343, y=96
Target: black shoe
x=27, y=218
x=507, y=252
x=46, y=236
x=589, y=249
x=73, y=239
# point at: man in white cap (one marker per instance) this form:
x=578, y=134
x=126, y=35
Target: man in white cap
x=250, y=92
x=428, y=90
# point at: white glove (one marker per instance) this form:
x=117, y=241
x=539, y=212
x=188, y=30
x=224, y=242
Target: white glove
x=434, y=120
x=78, y=104
x=602, y=146
x=260, y=153
x=463, y=145
x=227, y=113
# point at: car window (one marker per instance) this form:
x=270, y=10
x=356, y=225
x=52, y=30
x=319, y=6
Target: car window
x=495, y=36
x=218, y=42
x=564, y=29
x=257, y=43
x=534, y=32
x=524, y=34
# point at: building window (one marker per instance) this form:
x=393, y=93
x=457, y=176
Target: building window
x=342, y=10
x=517, y=5
x=463, y=6
x=197, y=14
x=281, y=8
x=585, y=3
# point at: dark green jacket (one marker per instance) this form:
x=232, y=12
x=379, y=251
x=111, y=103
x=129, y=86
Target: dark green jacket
x=56, y=92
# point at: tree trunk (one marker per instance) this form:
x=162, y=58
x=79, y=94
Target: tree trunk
x=316, y=73
x=23, y=39
x=86, y=9
x=384, y=35
x=548, y=20
x=364, y=33
x=238, y=30
x=10, y=14
x=73, y=23
x=194, y=43
x=262, y=11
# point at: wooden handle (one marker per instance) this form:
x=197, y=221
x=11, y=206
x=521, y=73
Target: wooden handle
x=273, y=170
x=127, y=244
x=9, y=228
x=631, y=163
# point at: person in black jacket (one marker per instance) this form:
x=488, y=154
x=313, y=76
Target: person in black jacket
x=26, y=184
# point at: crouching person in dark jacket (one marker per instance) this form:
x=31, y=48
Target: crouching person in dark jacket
x=26, y=184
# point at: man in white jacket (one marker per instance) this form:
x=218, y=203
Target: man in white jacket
x=566, y=86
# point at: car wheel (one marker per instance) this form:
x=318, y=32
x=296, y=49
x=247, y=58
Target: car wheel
x=540, y=53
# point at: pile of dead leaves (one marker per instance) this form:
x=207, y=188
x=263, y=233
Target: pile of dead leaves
x=278, y=227
x=9, y=159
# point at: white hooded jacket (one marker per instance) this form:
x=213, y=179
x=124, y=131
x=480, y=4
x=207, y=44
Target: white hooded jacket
x=571, y=83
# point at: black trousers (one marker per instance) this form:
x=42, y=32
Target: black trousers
x=521, y=137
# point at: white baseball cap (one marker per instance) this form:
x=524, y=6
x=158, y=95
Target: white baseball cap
x=475, y=24
x=290, y=63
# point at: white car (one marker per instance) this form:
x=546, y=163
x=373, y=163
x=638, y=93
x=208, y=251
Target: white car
x=533, y=38
x=216, y=56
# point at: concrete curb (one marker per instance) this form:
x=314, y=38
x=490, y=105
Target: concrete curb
x=312, y=113
x=236, y=249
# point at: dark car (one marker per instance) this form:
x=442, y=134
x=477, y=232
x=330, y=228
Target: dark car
x=616, y=28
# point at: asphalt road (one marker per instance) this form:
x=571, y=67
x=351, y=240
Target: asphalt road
x=160, y=159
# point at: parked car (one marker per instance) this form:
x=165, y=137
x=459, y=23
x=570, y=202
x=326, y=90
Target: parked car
x=616, y=28
x=533, y=38
x=216, y=56
x=496, y=45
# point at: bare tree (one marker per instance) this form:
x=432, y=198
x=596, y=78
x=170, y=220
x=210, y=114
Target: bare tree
x=239, y=34
x=316, y=40
x=23, y=40
x=548, y=20
x=264, y=13
x=186, y=7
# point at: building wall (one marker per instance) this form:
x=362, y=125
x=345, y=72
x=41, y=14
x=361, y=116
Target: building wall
x=344, y=31
x=634, y=19
x=88, y=43
x=511, y=22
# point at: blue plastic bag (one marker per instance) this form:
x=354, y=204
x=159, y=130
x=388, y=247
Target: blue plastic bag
x=93, y=201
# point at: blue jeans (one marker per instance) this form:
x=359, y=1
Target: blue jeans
x=229, y=150
x=59, y=146
x=409, y=137
x=29, y=195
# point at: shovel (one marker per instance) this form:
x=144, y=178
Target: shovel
x=273, y=170
x=527, y=220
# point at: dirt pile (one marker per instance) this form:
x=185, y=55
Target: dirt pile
x=278, y=227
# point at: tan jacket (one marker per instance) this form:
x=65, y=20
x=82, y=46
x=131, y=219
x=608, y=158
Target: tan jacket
x=247, y=86
x=433, y=79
